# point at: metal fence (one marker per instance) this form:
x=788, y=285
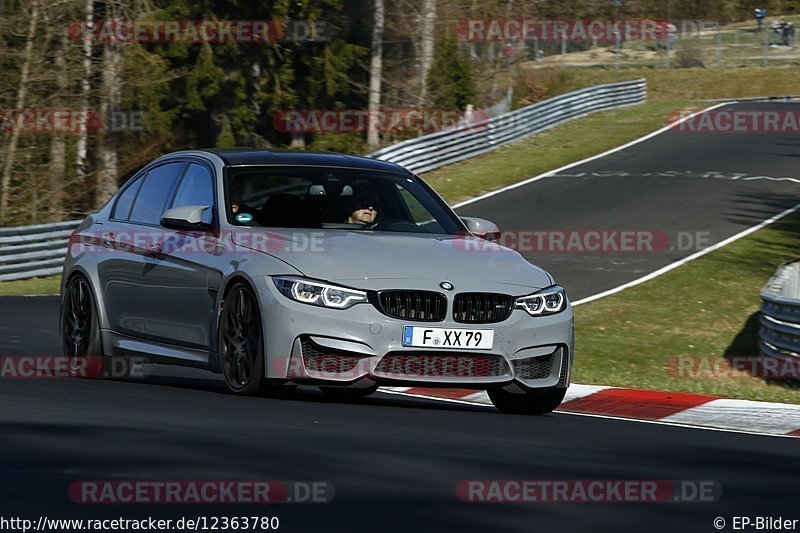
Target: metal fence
x=698, y=43
x=34, y=251
x=779, y=335
x=473, y=138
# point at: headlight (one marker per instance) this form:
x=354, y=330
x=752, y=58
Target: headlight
x=319, y=294
x=546, y=302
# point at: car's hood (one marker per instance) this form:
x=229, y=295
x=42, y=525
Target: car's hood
x=371, y=260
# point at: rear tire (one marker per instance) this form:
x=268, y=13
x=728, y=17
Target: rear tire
x=241, y=346
x=80, y=330
x=531, y=403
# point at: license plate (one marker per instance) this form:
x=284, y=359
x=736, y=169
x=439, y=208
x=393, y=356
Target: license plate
x=464, y=339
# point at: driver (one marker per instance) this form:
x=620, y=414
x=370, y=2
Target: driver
x=242, y=213
x=363, y=208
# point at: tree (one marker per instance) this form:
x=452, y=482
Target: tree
x=86, y=86
x=452, y=85
x=108, y=158
x=428, y=38
x=57, y=166
x=375, y=74
x=22, y=94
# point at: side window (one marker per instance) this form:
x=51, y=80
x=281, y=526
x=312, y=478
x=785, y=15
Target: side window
x=197, y=188
x=417, y=210
x=155, y=193
x=122, y=210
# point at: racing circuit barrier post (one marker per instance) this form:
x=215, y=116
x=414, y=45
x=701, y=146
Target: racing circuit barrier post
x=472, y=139
x=36, y=251
x=779, y=335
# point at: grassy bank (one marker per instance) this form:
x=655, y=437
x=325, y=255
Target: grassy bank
x=558, y=147
x=27, y=287
x=678, y=84
x=668, y=92
x=707, y=308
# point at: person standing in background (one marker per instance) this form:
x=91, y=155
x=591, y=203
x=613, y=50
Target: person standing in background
x=672, y=30
x=761, y=14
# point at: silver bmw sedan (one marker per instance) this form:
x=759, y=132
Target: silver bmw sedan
x=283, y=268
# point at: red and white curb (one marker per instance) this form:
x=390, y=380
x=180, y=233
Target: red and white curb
x=672, y=408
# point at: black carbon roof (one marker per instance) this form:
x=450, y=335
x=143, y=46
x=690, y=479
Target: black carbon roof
x=254, y=156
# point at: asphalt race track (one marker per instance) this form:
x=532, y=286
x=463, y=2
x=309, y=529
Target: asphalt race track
x=395, y=462
x=674, y=185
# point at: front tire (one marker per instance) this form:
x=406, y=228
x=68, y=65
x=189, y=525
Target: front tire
x=241, y=345
x=531, y=403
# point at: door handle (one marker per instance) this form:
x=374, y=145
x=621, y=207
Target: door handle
x=108, y=240
x=154, y=250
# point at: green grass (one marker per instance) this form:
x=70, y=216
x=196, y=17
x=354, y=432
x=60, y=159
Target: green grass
x=555, y=148
x=707, y=308
x=691, y=83
x=27, y=287
x=668, y=92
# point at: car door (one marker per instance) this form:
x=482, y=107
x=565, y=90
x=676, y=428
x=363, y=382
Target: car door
x=134, y=300
x=117, y=266
x=174, y=299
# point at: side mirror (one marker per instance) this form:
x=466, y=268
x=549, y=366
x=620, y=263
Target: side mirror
x=189, y=217
x=482, y=228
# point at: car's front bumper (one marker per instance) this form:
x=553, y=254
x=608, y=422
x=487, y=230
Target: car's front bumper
x=312, y=344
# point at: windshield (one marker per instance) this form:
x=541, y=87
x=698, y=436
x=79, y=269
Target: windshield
x=335, y=198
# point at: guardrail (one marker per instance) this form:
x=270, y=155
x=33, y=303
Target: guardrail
x=779, y=335
x=33, y=251
x=473, y=138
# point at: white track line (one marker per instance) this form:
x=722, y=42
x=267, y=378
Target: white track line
x=605, y=417
x=669, y=267
x=681, y=262
x=680, y=425
x=765, y=417
x=588, y=159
